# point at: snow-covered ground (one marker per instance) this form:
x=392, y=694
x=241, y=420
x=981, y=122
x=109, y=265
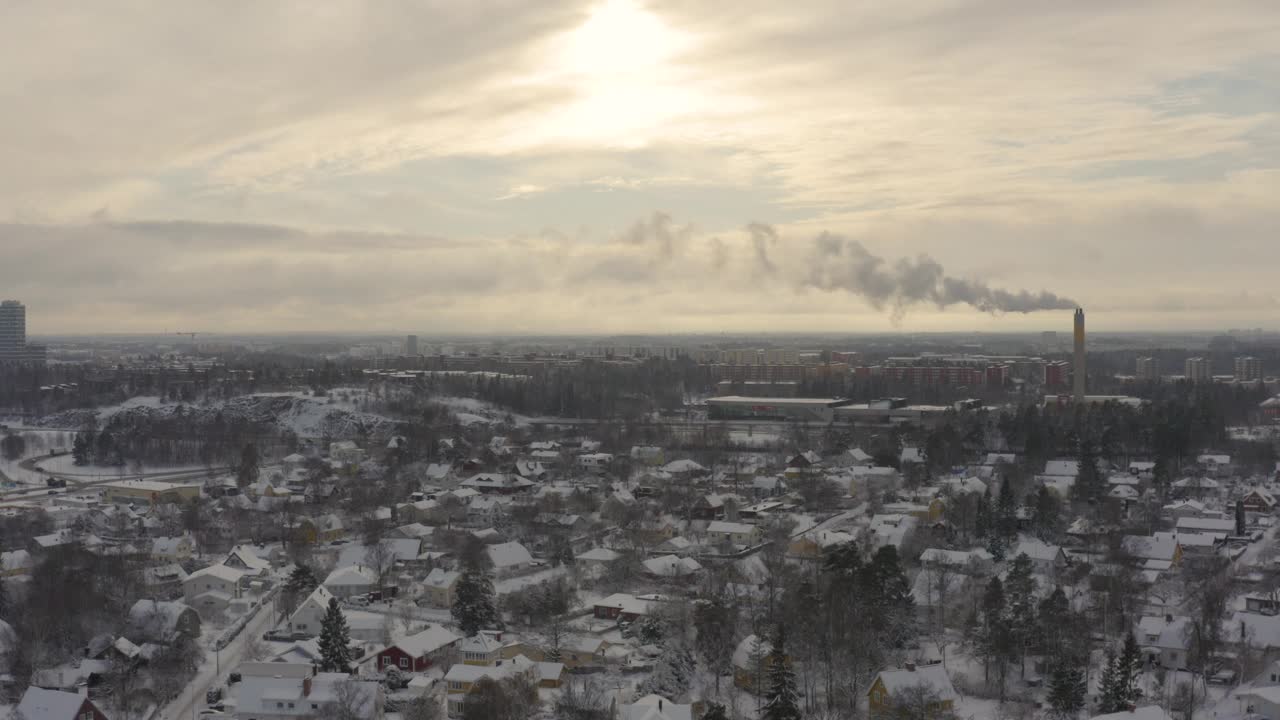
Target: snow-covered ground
x=516, y=584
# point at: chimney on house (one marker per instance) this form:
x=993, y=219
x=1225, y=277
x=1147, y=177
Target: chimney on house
x=306, y=687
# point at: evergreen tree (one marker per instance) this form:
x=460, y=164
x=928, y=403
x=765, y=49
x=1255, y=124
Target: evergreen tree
x=671, y=676
x=1112, y=693
x=6, y=603
x=1128, y=668
x=1053, y=622
x=301, y=581
x=1006, y=512
x=890, y=598
x=473, y=602
x=1090, y=484
x=982, y=518
x=1067, y=690
x=1020, y=590
x=81, y=450
x=335, y=639
x=783, y=698
x=1045, y=514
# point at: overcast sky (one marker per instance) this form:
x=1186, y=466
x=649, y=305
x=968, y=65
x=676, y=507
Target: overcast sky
x=623, y=166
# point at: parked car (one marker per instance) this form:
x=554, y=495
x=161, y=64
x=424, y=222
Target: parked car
x=212, y=695
x=278, y=636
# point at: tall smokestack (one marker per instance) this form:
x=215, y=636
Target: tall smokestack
x=1079, y=371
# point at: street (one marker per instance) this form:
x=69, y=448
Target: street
x=216, y=667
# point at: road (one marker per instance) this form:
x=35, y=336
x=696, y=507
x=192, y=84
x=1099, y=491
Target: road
x=216, y=667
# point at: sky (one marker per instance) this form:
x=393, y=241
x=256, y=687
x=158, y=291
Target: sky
x=623, y=166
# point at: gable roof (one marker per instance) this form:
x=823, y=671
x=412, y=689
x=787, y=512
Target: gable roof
x=509, y=554
x=351, y=575
x=40, y=704
x=426, y=642
x=933, y=677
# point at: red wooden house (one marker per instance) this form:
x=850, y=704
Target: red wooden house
x=418, y=652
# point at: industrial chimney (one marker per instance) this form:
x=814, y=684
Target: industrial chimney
x=1079, y=371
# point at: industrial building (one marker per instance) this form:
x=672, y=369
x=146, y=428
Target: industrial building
x=150, y=492
x=1080, y=369
x=773, y=408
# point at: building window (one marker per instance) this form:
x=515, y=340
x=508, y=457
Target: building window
x=315, y=706
x=290, y=706
x=404, y=662
x=279, y=706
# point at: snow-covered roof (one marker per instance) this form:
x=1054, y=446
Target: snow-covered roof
x=682, y=466
x=509, y=554
x=1165, y=633
x=15, y=560
x=600, y=554
x=350, y=575
x=1068, y=468
x=219, y=571
x=1206, y=525
x=953, y=558
x=671, y=566
x=441, y=578
x=730, y=528
x=933, y=677
x=1123, y=492
x=1160, y=546
x=656, y=707
x=400, y=549
x=1197, y=483
x=426, y=642
x=1149, y=712
x=40, y=704
x=1036, y=549
x=156, y=620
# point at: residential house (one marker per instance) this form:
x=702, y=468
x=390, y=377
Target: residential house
x=595, y=462
x=933, y=679
x=154, y=621
x=246, y=559
x=288, y=691
x=15, y=563
x=1047, y=559
x=310, y=613
x=671, y=567
x=489, y=648
x=720, y=532
x=438, y=587
x=709, y=507
x=930, y=511
x=1160, y=546
x=891, y=529
x=1188, y=508
x=623, y=607
x=678, y=545
x=351, y=580
x=656, y=707
x=211, y=590
x=1215, y=465
x=163, y=580
x=1196, y=487
x=597, y=558
x=418, y=652
x=684, y=469
x=462, y=678
x=346, y=453
x=812, y=544
x=1259, y=501
x=40, y=704
x=509, y=558
x=497, y=483
x=1165, y=640
x=172, y=549
x=583, y=652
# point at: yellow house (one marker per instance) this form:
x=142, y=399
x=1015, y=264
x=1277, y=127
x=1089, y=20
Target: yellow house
x=462, y=678
x=487, y=647
x=932, y=679
x=812, y=544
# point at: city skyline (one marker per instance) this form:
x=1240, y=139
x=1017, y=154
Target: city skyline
x=618, y=166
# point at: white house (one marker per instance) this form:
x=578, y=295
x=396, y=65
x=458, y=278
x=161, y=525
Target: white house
x=351, y=580
x=310, y=612
x=1164, y=640
x=289, y=691
x=720, y=531
x=509, y=558
x=595, y=462
x=211, y=590
x=670, y=566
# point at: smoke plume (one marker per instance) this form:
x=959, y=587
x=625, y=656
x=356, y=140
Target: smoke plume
x=838, y=263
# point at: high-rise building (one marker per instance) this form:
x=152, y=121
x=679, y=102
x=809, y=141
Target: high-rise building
x=1055, y=373
x=1197, y=369
x=1248, y=368
x=13, y=335
x=411, y=345
x=1079, y=369
x=1148, y=368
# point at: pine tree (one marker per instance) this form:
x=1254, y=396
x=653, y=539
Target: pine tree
x=81, y=450
x=783, y=699
x=1020, y=588
x=335, y=640
x=6, y=604
x=670, y=677
x=1045, y=514
x=982, y=518
x=1067, y=690
x=1128, y=668
x=1006, y=511
x=301, y=581
x=473, y=604
x=1113, y=696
